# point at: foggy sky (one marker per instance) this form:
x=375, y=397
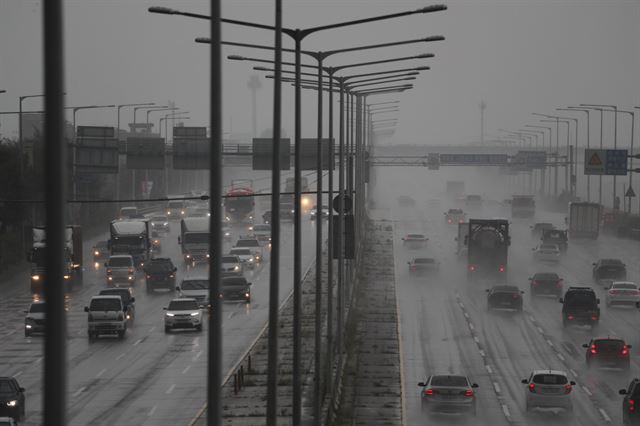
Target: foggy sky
x=519, y=56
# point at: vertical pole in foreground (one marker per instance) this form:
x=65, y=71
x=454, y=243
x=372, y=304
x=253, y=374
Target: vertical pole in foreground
x=340, y=245
x=214, y=353
x=317, y=397
x=274, y=272
x=55, y=350
x=331, y=158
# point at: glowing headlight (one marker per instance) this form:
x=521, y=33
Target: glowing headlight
x=188, y=256
x=168, y=212
x=97, y=253
x=66, y=277
x=236, y=268
x=181, y=211
x=169, y=314
x=305, y=202
x=194, y=314
x=110, y=278
x=27, y=326
x=35, y=277
x=251, y=259
x=227, y=234
x=207, y=255
x=12, y=403
x=166, y=224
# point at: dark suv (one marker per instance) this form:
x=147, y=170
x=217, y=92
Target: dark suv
x=545, y=283
x=608, y=352
x=580, y=306
x=630, y=412
x=128, y=300
x=609, y=269
x=11, y=399
x=504, y=297
x=160, y=272
x=557, y=237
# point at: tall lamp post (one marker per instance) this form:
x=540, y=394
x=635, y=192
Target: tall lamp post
x=571, y=108
x=119, y=107
x=632, y=115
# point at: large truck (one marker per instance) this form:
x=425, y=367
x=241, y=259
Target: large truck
x=72, y=258
x=131, y=237
x=289, y=187
x=584, y=220
x=487, y=248
x=239, y=202
x=461, y=239
x=455, y=188
x=194, y=239
x=523, y=206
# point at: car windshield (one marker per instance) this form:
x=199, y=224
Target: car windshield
x=241, y=252
x=457, y=381
x=123, y=293
x=182, y=305
x=546, y=277
x=175, y=204
x=247, y=243
x=195, y=285
x=120, y=262
x=159, y=266
x=550, y=379
x=36, y=307
x=230, y=259
x=609, y=345
x=159, y=219
x=128, y=211
x=105, y=305
x=5, y=387
x=455, y=211
x=549, y=247
x=611, y=271
x=196, y=238
x=261, y=228
x=234, y=281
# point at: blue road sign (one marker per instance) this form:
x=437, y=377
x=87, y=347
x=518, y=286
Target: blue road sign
x=605, y=162
x=616, y=162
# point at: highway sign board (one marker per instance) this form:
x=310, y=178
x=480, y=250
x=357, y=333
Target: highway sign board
x=191, y=148
x=308, y=154
x=630, y=192
x=145, y=153
x=605, y=162
x=96, y=150
x=530, y=159
x=473, y=159
x=262, y=149
x=433, y=161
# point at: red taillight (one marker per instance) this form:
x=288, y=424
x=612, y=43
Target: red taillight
x=502, y=268
x=613, y=291
x=461, y=221
x=472, y=268
x=449, y=221
x=428, y=392
x=625, y=350
x=534, y=283
x=532, y=387
x=559, y=283
x=412, y=267
x=567, y=388
x=468, y=392
x=593, y=350
x=632, y=406
x=569, y=317
x=594, y=317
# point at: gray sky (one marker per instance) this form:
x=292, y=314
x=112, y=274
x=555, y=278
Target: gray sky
x=519, y=56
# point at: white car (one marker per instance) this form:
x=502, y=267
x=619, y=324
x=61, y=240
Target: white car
x=262, y=232
x=231, y=264
x=120, y=269
x=547, y=253
x=548, y=389
x=622, y=293
x=245, y=255
x=182, y=313
x=226, y=232
x=195, y=287
x=415, y=240
x=324, y=211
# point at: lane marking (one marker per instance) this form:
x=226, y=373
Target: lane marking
x=605, y=415
x=153, y=410
x=466, y=315
x=120, y=356
x=506, y=412
x=540, y=330
x=471, y=326
x=195, y=358
x=489, y=369
x=560, y=356
x=532, y=319
x=231, y=314
x=137, y=342
x=461, y=305
x=11, y=332
x=171, y=388
x=152, y=329
x=549, y=342
x=587, y=391
x=496, y=387
x=476, y=339
x=104, y=370
x=79, y=391
x=482, y=354
x=186, y=369
x=37, y=361
x=573, y=372
x=19, y=373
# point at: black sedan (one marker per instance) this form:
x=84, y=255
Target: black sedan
x=11, y=398
x=504, y=297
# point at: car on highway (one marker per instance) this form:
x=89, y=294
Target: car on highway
x=156, y=244
x=473, y=200
x=128, y=212
x=607, y=270
x=455, y=216
x=160, y=224
x=176, y=209
x=200, y=211
x=226, y=232
x=546, y=253
x=548, y=389
x=106, y=315
x=231, y=263
x=262, y=232
x=504, y=297
x=184, y=312
x=235, y=288
x=7, y=421
x=120, y=269
x=100, y=251
x=545, y=283
x=286, y=211
x=630, y=412
x=406, y=201
x=195, y=287
x=423, y=264
x=414, y=240
x=266, y=217
x=245, y=255
x=314, y=212
x=448, y=393
x=34, y=322
x=127, y=298
x=556, y=236
x=608, y=351
x=622, y=293
x=580, y=307
x=160, y=272
x=12, y=399
x=538, y=228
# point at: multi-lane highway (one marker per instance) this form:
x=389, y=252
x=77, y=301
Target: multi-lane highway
x=150, y=377
x=446, y=327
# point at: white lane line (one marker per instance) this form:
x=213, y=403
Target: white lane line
x=120, y=356
x=605, y=416
x=477, y=340
x=532, y=319
x=506, y=412
x=560, y=356
x=471, y=326
x=231, y=314
x=79, y=391
x=104, y=370
x=587, y=391
x=466, y=315
x=573, y=372
x=461, y=305
x=195, y=358
x=549, y=342
x=540, y=330
x=19, y=373
x=152, y=329
x=37, y=361
x=482, y=354
x=171, y=388
x=186, y=369
x=496, y=386
x=489, y=369
x=137, y=342
x=11, y=332
x=153, y=410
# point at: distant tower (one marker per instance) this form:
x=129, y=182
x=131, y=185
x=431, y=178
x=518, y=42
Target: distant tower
x=483, y=106
x=254, y=84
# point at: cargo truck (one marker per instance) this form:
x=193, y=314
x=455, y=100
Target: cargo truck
x=455, y=188
x=461, y=239
x=523, y=206
x=487, y=248
x=194, y=239
x=131, y=237
x=72, y=258
x=584, y=220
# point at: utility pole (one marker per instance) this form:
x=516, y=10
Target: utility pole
x=254, y=84
x=483, y=106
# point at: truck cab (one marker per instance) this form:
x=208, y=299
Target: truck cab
x=106, y=315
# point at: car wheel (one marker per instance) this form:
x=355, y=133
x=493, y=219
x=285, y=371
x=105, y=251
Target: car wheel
x=167, y=329
x=27, y=333
x=199, y=327
x=121, y=334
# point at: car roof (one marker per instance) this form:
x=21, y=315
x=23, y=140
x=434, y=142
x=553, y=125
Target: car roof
x=183, y=299
x=196, y=277
x=160, y=259
x=415, y=235
x=546, y=273
x=424, y=260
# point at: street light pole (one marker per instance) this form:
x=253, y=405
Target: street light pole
x=587, y=147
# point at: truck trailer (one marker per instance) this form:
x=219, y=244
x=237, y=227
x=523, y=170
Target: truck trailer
x=487, y=248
